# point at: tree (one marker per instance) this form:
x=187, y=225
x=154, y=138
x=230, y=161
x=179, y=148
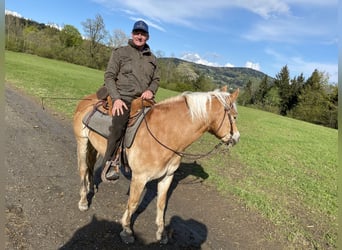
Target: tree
x=96, y=34
x=313, y=102
x=118, y=39
x=247, y=95
x=203, y=83
x=30, y=39
x=186, y=72
x=70, y=36
x=332, y=113
x=262, y=91
x=282, y=81
x=296, y=87
x=272, y=100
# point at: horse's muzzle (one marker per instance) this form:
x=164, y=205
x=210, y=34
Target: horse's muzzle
x=231, y=139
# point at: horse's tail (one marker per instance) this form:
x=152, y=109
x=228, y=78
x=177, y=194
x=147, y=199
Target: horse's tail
x=91, y=157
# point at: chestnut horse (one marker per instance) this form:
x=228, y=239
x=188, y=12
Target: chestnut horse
x=169, y=128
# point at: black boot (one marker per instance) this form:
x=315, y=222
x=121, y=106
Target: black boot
x=110, y=171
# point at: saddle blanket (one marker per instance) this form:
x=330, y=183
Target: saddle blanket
x=100, y=122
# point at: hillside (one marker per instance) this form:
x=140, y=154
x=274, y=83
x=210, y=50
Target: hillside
x=232, y=76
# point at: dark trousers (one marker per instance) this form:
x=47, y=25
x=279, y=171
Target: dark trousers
x=116, y=131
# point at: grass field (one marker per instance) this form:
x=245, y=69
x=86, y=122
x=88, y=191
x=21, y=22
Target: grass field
x=284, y=168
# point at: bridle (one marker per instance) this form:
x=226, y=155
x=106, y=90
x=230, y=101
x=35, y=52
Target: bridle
x=227, y=110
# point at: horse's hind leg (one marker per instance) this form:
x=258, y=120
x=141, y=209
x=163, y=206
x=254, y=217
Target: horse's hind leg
x=163, y=187
x=86, y=158
x=136, y=189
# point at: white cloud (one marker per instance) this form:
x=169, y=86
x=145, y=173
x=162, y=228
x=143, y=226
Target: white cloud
x=184, y=11
x=229, y=65
x=196, y=58
x=13, y=13
x=252, y=65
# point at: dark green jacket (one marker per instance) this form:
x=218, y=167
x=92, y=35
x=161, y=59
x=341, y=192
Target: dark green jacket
x=130, y=72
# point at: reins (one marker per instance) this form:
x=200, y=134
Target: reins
x=185, y=154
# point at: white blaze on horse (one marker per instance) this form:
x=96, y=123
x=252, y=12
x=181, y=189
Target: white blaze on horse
x=169, y=127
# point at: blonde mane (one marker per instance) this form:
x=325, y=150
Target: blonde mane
x=197, y=102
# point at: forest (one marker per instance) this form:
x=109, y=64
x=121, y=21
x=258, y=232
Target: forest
x=314, y=99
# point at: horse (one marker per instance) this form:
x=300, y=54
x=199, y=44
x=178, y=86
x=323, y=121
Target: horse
x=168, y=129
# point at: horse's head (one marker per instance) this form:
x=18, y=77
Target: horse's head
x=223, y=123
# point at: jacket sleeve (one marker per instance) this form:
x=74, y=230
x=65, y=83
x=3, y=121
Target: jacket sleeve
x=111, y=74
x=155, y=79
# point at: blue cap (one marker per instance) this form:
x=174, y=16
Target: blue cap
x=140, y=25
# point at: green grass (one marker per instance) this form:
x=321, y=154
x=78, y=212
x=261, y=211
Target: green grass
x=285, y=169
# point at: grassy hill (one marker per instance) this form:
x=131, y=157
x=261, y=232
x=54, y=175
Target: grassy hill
x=284, y=168
x=233, y=76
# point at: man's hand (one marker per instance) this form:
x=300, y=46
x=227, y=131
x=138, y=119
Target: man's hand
x=147, y=95
x=118, y=107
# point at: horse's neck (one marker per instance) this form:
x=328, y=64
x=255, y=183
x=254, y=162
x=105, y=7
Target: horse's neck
x=177, y=125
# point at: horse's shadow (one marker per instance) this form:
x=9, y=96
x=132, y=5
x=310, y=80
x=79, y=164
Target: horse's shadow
x=183, y=234
x=103, y=234
x=185, y=169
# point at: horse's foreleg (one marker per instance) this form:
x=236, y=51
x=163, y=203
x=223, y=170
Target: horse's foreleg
x=83, y=172
x=136, y=189
x=163, y=187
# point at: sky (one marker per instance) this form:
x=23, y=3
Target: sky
x=265, y=35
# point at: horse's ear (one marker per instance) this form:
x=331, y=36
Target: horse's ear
x=224, y=88
x=234, y=95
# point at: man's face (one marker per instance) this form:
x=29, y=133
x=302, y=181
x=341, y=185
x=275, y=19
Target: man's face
x=139, y=38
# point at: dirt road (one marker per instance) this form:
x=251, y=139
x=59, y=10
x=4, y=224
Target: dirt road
x=42, y=194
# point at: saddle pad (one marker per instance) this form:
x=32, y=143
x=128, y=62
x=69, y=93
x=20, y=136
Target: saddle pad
x=100, y=123
x=132, y=130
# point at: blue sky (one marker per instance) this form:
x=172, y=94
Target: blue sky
x=261, y=34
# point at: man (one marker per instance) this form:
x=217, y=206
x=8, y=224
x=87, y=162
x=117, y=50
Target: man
x=131, y=72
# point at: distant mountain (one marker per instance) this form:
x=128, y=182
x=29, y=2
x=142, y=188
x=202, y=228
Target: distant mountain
x=232, y=76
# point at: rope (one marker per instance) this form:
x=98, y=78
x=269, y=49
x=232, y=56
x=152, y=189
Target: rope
x=61, y=98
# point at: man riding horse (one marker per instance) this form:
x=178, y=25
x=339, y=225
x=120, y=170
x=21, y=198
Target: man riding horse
x=132, y=72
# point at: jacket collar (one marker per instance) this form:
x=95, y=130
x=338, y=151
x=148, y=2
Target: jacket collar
x=145, y=50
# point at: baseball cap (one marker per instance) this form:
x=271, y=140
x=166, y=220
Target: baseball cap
x=140, y=25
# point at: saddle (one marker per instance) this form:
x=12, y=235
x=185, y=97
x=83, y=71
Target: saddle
x=99, y=119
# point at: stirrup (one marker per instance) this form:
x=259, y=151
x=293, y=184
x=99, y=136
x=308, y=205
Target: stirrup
x=110, y=172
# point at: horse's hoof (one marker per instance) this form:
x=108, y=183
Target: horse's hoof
x=83, y=207
x=164, y=240
x=162, y=237
x=126, y=237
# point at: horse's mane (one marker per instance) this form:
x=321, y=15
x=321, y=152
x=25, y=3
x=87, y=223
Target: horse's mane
x=197, y=102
